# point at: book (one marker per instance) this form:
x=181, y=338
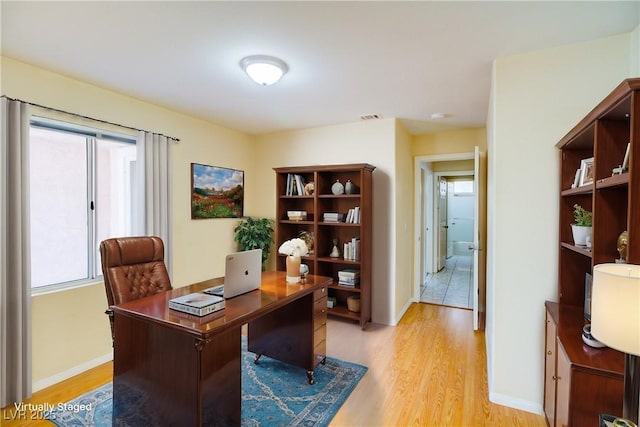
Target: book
x=333, y=217
x=299, y=185
x=198, y=304
x=353, y=215
x=351, y=250
x=349, y=273
x=346, y=285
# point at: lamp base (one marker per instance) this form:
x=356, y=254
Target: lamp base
x=631, y=399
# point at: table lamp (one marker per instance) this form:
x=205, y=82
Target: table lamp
x=615, y=321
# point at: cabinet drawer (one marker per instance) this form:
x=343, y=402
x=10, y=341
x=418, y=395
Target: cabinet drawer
x=320, y=293
x=320, y=307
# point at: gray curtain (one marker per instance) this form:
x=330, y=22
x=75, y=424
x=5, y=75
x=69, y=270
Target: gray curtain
x=154, y=190
x=15, y=266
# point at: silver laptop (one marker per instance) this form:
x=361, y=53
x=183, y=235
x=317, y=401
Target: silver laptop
x=242, y=274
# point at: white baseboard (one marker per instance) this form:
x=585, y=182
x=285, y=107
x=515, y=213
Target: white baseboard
x=54, y=379
x=514, y=402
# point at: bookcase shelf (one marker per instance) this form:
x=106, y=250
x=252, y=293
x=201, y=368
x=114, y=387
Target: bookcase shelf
x=316, y=205
x=581, y=381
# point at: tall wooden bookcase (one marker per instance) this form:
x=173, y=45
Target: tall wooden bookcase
x=323, y=201
x=581, y=381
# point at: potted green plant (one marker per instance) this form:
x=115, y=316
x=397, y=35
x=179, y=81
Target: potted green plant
x=255, y=233
x=582, y=227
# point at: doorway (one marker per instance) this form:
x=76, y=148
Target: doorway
x=451, y=282
x=429, y=170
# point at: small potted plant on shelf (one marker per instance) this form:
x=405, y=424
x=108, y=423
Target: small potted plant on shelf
x=582, y=227
x=255, y=233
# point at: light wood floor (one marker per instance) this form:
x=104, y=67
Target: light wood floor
x=430, y=370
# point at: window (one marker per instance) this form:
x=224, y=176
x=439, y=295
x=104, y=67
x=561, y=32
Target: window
x=463, y=188
x=82, y=190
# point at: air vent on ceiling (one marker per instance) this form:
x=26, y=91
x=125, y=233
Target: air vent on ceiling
x=371, y=117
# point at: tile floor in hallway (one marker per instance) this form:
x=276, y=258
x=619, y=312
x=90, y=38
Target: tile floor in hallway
x=452, y=285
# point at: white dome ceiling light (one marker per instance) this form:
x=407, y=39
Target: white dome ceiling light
x=264, y=70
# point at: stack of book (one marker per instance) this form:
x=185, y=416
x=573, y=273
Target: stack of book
x=349, y=278
x=351, y=250
x=297, y=215
x=333, y=217
x=198, y=304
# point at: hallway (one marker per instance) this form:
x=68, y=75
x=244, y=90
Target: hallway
x=452, y=285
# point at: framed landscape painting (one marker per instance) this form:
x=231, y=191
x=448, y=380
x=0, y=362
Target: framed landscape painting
x=216, y=192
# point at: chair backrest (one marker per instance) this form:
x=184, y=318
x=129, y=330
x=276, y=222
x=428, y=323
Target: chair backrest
x=133, y=267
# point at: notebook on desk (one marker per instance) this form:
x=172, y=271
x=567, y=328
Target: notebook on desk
x=242, y=274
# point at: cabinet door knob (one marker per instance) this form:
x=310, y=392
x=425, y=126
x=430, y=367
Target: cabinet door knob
x=549, y=352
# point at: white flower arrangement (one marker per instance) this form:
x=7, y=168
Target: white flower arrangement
x=295, y=247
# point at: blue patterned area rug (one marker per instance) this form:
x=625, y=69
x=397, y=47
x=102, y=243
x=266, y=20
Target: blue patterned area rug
x=273, y=394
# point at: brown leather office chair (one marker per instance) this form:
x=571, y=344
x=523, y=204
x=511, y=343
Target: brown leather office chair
x=133, y=267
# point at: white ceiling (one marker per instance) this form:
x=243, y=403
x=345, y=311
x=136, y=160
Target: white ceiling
x=346, y=59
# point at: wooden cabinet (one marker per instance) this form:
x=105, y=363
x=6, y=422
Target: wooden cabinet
x=563, y=390
x=550, y=373
x=311, y=211
x=580, y=381
x=594, y=377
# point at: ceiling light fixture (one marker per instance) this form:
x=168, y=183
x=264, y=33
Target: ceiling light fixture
x=264, y=70
x=438, y=116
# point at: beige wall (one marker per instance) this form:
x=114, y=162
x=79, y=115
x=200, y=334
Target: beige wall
x=403, y=220
x=536, y=99
x=361, y=142
x=452, y=166
x=450, y=142
x=71, y=325
x=634, y=52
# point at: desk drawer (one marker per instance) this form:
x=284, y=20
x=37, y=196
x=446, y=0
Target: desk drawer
x=319, y=321
x=319, y=352
x=320, y=307
x=319, y=335
x=319, y=294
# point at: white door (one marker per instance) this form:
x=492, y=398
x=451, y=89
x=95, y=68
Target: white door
x=442, y=223
x=477, y=179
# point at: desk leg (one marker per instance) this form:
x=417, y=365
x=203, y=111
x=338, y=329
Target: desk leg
x=165, y=377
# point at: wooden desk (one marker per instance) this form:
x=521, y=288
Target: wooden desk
x=177, y=369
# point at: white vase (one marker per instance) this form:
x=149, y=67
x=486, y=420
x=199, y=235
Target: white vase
x=293, y=269
x=580, y=234
x=337, y=188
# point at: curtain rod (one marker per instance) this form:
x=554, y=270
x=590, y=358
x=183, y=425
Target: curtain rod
x=86, y=117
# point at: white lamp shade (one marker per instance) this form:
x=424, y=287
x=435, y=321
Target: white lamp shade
x=264, y=70
x=615, y=306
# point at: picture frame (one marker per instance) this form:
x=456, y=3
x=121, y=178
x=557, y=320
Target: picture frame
x=216, y=192
x=576, y=179
x=588, y=283
x=586, y=172
x=625, y=161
